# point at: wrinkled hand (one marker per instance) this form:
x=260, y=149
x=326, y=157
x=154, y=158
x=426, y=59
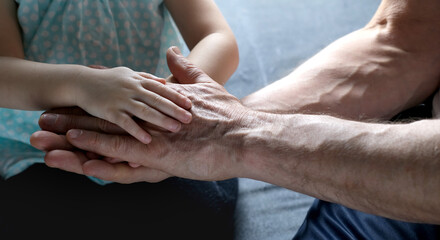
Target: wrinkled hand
x=61, y=154
x=202, y=150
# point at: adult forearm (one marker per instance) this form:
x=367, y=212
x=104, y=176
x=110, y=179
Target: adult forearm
x=388, y=170
x=374, y=73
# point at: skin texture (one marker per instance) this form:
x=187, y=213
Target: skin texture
x=353, y=163
x=119, y=94
x=115, y=94
x=386, y=169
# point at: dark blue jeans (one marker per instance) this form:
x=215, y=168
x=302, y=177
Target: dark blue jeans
x=329, y=221
x=332, y=221
x=46, y=203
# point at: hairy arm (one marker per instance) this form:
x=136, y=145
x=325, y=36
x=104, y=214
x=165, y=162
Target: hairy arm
x=374, y=73
x=383, y=169
x=208, y=36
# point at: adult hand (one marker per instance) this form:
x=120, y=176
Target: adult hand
x=61, y=154
x=201, y=150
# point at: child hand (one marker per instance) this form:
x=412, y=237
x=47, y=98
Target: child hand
x=119, y=94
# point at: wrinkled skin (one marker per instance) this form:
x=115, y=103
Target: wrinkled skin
x=189, y=153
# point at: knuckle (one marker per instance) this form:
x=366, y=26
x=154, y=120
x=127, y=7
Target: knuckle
x=113, y=116
x=103, y=125
x=123, y=69
x=126, y=122
x=94, y=141
x=145, y=111
x=146, y=84
x=67, y=123
x=156, y=100
x=118, y=145
x=194, y=72
x=161, y=88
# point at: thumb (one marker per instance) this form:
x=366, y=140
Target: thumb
x=183, y=70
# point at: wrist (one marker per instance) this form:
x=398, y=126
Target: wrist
x=59, y=86
x=76, y=78
x=253, y=135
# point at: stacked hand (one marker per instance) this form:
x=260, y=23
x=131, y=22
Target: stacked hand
x=200, y=150
x=119, y=94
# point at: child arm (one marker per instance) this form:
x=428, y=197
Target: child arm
x=208, y=36
x=115, y=94
x=10, y=37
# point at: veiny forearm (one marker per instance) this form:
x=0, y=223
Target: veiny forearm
x=383, y=169
x=374, y=73
x=30, y=85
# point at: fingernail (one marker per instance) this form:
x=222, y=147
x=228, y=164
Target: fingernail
x=49, y=118
x=174, y=127
x=75, y=133
x=146, y=139
x=188, y=117
x=176, y=50
x=188, y=104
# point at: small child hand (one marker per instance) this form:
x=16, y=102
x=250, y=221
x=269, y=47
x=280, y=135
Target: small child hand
x=119, y=94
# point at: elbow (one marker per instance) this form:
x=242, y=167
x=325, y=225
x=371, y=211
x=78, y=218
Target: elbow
x=231, y=51
x=227, y=49
x=234, y=53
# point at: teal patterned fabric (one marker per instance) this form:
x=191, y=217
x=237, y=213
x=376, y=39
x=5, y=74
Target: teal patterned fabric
x=131, y=33
x=15, y=150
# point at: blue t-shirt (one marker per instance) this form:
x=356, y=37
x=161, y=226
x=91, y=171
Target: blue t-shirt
x=131, y=33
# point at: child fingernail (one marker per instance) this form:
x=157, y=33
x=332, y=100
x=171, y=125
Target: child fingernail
x=188, y=104
x=174, y=127
x=187, y=117
x=146, y=139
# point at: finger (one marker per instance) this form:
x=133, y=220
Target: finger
x=128, y=124
x=152, y=77
x=115, y=160
x=47, y=141
x=152, y=103
x=68, y=111
x=66, y=160
x=111, y=160
x=151, y=115
x=112, y=146
x=122, y=173
x=149, y=126
x=169, y=94
x=134, y=165
x=61, y=123
x=183, y=70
